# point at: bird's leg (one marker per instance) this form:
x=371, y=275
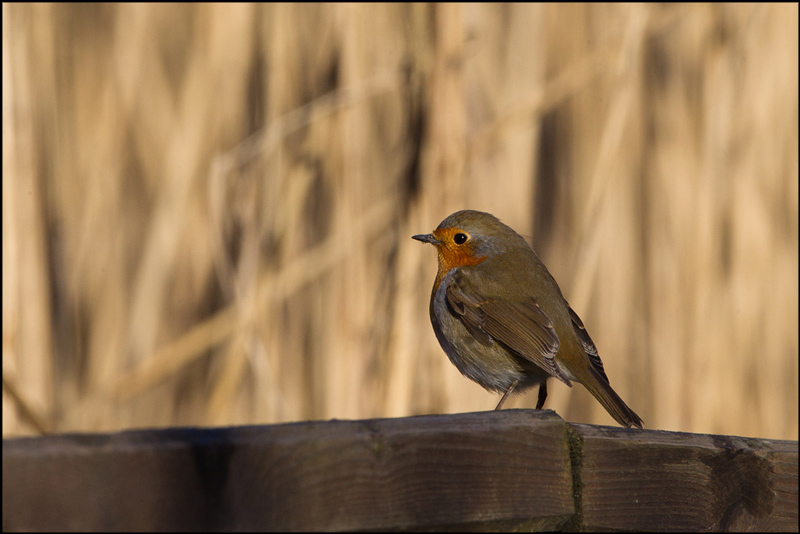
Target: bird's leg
x=542, y=395
x=507, y=393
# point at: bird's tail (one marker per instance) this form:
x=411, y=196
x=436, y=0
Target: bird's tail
x=614, y=405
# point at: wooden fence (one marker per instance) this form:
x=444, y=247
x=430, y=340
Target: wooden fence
x=514, y=469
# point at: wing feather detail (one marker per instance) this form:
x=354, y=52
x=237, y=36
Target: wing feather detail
x=522, y=326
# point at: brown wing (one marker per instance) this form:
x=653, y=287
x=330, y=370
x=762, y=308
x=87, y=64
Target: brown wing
x=588, y=344
x=521, y=326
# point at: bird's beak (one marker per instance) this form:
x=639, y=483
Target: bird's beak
x=427, y=238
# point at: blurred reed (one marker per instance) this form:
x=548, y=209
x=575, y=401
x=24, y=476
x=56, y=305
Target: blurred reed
x=207, y=209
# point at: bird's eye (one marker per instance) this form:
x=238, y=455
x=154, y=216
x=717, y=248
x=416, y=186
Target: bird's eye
x=460, y=238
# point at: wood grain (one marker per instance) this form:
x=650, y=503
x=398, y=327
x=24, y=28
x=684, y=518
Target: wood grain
x=484, y=470
x=657, y=480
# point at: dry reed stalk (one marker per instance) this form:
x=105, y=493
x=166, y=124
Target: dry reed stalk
x=207, y=209
x=28, y=398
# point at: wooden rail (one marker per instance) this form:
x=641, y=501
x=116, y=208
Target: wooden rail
x=514, y=469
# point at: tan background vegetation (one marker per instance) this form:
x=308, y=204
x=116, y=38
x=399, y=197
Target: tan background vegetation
x=207, y=209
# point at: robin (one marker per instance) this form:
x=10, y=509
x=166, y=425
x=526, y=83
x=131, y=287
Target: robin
x=501, y=318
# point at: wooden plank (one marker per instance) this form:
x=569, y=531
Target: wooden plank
x=508, y=469
x=654, y=480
